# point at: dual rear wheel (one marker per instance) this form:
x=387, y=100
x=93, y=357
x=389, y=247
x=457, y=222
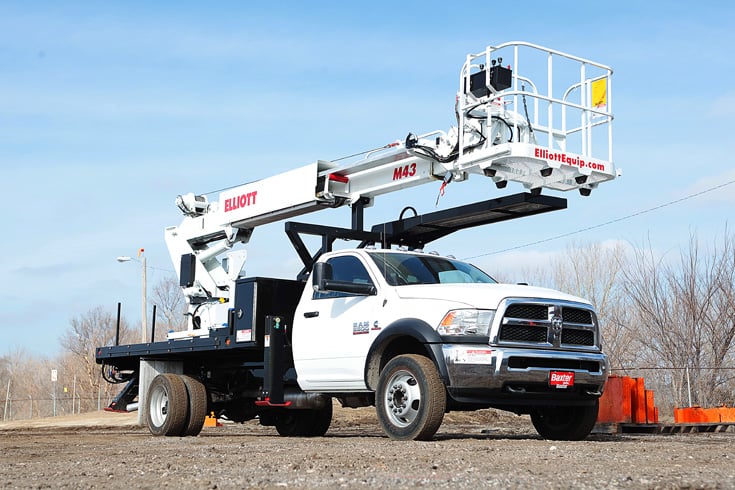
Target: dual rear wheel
x=304, y=423
x=177, y=405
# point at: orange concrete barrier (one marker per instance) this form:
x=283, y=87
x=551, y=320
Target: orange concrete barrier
x=627, y=401
x=699, y=415
x=639, y=401
x=615, y=403
x=651, y=408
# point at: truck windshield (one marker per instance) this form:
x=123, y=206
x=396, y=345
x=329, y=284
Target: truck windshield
x=400, y=269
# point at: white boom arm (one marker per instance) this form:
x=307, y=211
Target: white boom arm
x=535, y=127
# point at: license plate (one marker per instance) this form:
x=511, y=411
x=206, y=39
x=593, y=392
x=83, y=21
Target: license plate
x=561, y=379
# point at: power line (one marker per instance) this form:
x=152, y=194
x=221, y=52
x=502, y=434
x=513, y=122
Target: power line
x=161, y=269
x=606, y=223
x=673, y=368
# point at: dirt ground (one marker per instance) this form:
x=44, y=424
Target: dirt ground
x=479, y=449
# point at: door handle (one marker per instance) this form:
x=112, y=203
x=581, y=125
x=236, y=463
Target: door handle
x=311, y=314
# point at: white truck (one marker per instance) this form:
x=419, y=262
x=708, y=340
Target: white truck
x=415, y=334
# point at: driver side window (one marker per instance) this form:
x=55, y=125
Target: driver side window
x=345, y=268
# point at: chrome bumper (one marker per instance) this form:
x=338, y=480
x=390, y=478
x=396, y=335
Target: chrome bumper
x=513, y=371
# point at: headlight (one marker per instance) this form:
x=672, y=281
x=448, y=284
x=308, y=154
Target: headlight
x=466, y=322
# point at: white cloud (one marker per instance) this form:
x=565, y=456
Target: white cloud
x=723, y=106
x=713, y=189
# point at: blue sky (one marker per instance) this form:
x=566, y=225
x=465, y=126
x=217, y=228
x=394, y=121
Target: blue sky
x=109, y=110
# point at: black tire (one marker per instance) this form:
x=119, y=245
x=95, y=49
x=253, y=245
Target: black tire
x=168, y=405
x=322, y=419
x=304, y=423
x=411, y=398
x=197, y=394
x=565, y=423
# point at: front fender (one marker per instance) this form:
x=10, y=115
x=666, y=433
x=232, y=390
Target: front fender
x=404, y=336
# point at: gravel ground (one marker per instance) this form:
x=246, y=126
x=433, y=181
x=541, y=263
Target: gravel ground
x=480, y=449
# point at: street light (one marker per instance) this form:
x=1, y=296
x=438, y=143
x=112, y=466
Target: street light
x=144, y=306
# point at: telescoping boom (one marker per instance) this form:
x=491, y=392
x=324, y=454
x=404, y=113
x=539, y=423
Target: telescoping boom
x=525, y=114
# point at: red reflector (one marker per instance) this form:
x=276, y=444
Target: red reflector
x=339, y=178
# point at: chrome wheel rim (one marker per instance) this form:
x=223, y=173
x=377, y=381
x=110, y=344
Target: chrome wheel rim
x=159, y=406
x=402, y=398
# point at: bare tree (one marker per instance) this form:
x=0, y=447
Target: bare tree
x=170, y=301
x=720, y=329
x=11, y=371
x=93, y=329
x=31, y=389
x=685, y=317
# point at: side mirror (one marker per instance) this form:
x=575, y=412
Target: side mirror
x=321, y=274
x=322, y=281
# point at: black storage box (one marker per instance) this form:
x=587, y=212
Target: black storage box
x=257, y=297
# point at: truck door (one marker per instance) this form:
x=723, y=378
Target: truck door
x=334, y=331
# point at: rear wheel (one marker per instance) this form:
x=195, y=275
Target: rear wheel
x=168, y=405
x=565, y=423
x=411, y=398
x=197, y=394
x=304, y=423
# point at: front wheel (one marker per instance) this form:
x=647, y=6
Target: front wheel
x=411, y=398
x=565, y=423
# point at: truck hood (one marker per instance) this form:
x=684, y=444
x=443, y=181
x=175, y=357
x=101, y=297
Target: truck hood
x=481, y=295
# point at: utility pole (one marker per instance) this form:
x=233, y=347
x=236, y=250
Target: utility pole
x=144, y=309
x=144, y=290
x=7, y=399
x=54, y=378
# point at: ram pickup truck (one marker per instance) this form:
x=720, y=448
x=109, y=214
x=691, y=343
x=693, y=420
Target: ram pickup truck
x=427, y=334
x=415, y=334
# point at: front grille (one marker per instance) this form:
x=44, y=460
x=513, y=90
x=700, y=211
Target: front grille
x=522, y=333
x=530, y=312
x=577, y=315
x=531, y=323
x=577, y=337
x=518, y=362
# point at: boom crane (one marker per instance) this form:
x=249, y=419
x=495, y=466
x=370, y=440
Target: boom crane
x=412, y=333
x=525, y=114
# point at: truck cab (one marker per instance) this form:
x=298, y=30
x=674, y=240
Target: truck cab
x=492, y=345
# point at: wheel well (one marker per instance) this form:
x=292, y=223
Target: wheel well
x=396, y=346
